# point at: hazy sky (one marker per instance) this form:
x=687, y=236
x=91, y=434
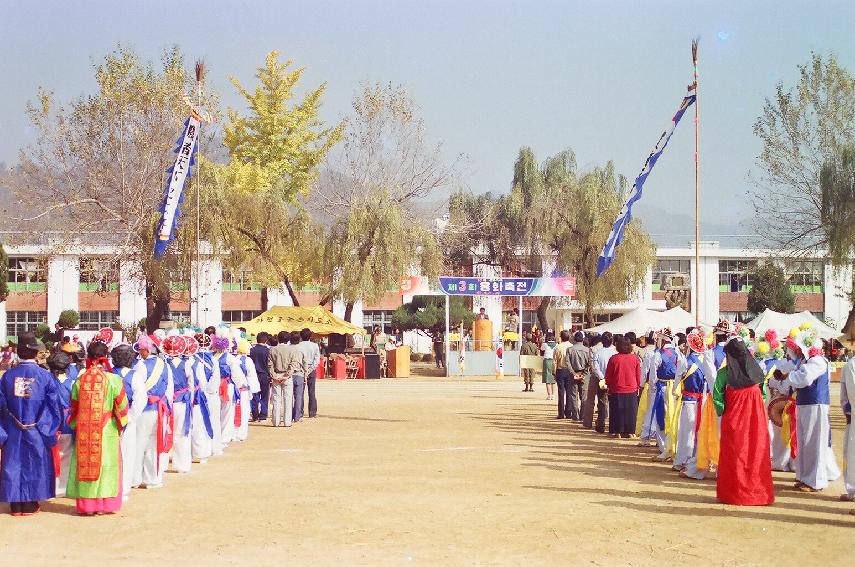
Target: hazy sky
x=601, y=77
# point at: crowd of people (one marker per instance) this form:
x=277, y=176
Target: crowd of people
x=716, y=403
x=94, y=423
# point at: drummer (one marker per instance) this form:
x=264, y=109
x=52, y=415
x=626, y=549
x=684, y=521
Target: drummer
x=770, y=353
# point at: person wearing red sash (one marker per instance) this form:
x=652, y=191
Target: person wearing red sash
x=691, y=389
x=154, y=428
x=744, y=467
x=808, y=374
x=182, y=401
x=99, y=413
x=206, y=435
x=231, y=378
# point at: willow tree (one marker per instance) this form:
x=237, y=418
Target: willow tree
x=591, y=204
x=371, y=196
x=537, y=227
x=837, y=185
x=800, y=197
x=801, y=129
x=96, y=168
x=274, y=153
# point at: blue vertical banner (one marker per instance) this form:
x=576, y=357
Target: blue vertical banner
x=607, y=256
x=174, y=192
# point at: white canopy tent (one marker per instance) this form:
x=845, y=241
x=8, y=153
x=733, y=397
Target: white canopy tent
x=642, y=320
x=783, y=322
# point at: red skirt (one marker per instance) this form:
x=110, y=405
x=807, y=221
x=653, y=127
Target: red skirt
x=744, y=466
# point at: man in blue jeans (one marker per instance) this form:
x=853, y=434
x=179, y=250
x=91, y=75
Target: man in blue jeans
x=563, y=376
x=259, y=354
x=312, y=356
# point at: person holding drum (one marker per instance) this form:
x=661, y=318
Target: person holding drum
x=808, y=374
x=782, y=430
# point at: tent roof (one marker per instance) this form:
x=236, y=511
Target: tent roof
x=641, y=320
x=316, y=319
x=783, y=322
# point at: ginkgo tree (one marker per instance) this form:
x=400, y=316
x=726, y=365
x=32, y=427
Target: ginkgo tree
x=256, y=203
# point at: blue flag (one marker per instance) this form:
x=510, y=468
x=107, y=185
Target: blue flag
x=607, y=256
x=174, y=192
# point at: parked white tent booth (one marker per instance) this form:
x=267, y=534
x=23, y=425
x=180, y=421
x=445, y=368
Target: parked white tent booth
x=783, y=322
x=641, y=320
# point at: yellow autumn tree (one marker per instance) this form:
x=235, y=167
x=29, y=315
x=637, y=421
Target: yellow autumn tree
x=274, y=152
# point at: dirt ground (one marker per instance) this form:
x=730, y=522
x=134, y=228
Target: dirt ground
x=434, y=471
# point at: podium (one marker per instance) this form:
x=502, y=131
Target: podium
x=482, y=332
x=398, y=362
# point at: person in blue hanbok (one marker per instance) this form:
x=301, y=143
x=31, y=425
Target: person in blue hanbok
x=30, y=415
x=65, y=372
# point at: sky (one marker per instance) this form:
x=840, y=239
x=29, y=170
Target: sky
x=490, y=76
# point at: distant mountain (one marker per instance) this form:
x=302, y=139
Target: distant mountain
x=668, y=228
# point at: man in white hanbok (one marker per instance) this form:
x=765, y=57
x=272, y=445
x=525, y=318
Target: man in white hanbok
x=668, y=364
x=231, y=380
x=151, y=452
x=712, y=362
x=207, y=444
x=808, y=373
x=249, y=387
x=847, y=402
x=182, y=402
x=124, y=364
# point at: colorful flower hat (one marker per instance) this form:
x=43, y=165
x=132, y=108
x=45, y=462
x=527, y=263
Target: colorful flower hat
x=805, y=339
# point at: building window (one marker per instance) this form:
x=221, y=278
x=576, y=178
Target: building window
x=178, y=280
x=806, y=276
x=94, y=320
x=737, y=316
x=239, y=316
x=382, y=319
x=26, y=274
x=239, y=280
x=666, y=266
x=736, y=275
x=178, y=316
x=18, y=322
x=98, y=274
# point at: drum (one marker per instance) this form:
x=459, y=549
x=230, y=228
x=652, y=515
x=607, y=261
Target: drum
x=776, y=409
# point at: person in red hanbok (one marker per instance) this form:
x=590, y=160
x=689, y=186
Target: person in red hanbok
x=744, y=467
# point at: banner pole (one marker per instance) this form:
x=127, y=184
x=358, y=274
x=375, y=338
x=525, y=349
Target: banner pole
x=447, y=341
x=520, y=339
x=697, y=293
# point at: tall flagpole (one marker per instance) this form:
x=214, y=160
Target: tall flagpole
x=200, y=78
x=697, y=190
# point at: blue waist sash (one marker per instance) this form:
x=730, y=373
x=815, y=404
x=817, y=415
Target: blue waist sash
x=201, y=400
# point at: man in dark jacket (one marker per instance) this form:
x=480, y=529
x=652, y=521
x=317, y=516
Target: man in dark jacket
x=259, y=354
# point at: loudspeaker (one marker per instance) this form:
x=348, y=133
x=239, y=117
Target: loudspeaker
x=372, y=365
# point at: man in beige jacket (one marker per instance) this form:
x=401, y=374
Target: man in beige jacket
x=287, y=366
